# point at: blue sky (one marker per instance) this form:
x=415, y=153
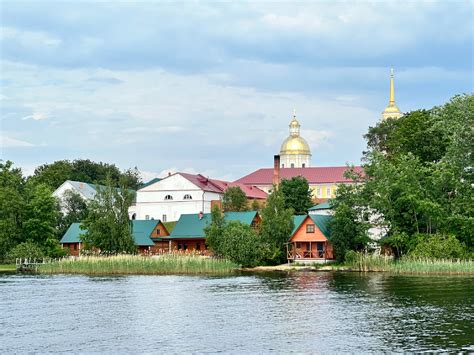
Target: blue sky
x=210, y=87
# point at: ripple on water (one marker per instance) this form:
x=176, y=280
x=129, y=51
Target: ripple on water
x=307, y=312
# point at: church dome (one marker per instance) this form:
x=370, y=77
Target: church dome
x=294, y=145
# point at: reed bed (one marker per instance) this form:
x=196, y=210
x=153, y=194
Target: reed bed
x=371, y=262
x=140, y=265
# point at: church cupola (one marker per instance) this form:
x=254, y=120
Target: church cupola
x=295, y=152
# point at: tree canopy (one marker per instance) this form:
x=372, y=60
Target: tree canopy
x=297, y=194
x=419, y=176
x=234, y=200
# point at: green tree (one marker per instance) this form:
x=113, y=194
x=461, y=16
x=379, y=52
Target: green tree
x=215, y=229
x=297, y=194
x=234, y=200
x=277, y=225
x=12, y=207
x=240, y=244
x=85, y=170
x=439, y=246
x=73, y=209
x=349, y=225
x=107, y=224
x=41, y=214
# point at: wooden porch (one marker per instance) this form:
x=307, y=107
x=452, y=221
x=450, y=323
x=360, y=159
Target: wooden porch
x=309, y=251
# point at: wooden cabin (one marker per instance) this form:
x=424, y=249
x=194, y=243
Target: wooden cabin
x=149, y=237
x=309, y=240
x=188, y=234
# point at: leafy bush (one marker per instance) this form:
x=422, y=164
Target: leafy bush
x=53, y=249
x=28, y=250
x=351, y=257
x=240, y=244
x=439, y=246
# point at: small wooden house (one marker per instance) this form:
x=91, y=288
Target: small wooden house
x=309, y=239
x=148, y=236
x=188, y=234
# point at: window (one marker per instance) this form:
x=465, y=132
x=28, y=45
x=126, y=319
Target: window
x=328, y=191
x=310, y=228
x=187, y=197
x=303, y=165
x=185, y=246
x=298, y=245
x=168, y=197
x=75, y=246
x=147, y=217
x=292, y=165
x=163, y=219
x=198, y=246
x=318, y=192
x=157, y=231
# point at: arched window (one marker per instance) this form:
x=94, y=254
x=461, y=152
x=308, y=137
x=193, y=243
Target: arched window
x=168, y=197
x=187, y=197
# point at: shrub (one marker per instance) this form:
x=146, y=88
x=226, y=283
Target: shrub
x=28, y=250
x=439, y=246
x=240, y=244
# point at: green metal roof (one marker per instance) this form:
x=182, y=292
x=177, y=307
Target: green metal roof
x=322, y=222
x=297, y=220
x=72, y=234
x=322, y=206
x=190, y=226
x=141, y=231
x=152, y=181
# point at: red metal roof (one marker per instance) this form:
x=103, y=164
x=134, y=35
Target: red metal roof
x=220, y=186
x=317, y=175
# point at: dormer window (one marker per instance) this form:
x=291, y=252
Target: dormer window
x=168, y=197
x=187, y=197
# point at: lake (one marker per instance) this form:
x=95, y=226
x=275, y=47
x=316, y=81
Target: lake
x=301, y=312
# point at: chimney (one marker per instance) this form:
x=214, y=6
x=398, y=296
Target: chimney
x=201, y=215
x=169, y=173
x=276, y=170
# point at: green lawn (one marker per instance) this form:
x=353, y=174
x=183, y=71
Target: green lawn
x=7, y=267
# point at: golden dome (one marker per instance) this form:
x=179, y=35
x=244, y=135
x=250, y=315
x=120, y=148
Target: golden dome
x=294, y=145
x=392, y=108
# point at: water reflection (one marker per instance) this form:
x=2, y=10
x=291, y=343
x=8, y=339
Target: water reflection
x=303, y=312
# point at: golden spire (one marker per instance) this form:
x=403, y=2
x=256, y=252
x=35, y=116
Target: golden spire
x=392, y=89
x=391, y=111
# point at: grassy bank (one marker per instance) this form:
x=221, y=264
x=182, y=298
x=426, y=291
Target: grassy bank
x=140, y=265
x=7, y=267
x=363, y=262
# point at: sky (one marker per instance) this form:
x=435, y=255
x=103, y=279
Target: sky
x=210, y=87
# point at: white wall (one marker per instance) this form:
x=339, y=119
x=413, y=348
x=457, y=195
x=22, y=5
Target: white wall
x=151, y=200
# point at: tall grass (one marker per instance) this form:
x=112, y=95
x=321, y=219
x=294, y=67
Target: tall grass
x=139, y=265
x=372, y=262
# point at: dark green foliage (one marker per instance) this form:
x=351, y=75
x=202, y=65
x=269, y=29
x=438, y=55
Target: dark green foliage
x=84, y=170
x=439, y=246
x=277, y=225
x=73, y=209
x=215, y=230
x=239, y=243
x=12, y=207
x=419, y=177
x=297, y=194
x=234, y=200
x=107, y=224
x=28, y=250
x=255, y=206
x=41, y=214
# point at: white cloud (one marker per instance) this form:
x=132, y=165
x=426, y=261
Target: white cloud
x=37, y=116
x=317, y=138
x=8, y=142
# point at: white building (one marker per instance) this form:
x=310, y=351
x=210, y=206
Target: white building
x=183, y=193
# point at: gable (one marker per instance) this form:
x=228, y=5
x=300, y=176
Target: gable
x=320, y=233
x=171, y=183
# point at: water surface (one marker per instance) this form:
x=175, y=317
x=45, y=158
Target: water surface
x=304, y=312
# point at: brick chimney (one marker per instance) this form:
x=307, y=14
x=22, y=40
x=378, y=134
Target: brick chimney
x=276, y=170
